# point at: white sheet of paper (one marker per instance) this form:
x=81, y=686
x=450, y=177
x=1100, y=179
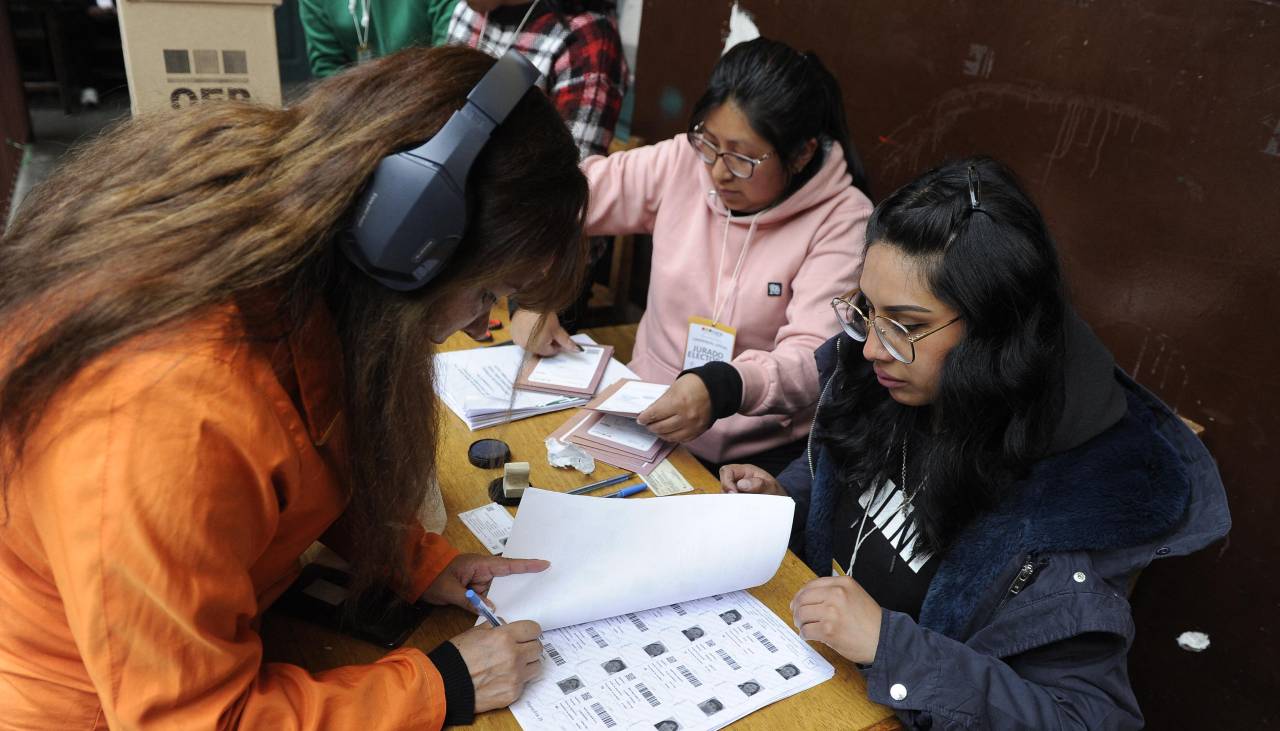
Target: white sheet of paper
x=669, y=663
x=609, y=557
x=665, y=479
x=570, y=370
x=625, y=431
x=491, y=525
x=634, y=397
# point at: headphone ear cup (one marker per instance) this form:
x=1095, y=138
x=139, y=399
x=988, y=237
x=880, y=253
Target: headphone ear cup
x=409, y=220
x=412, y=214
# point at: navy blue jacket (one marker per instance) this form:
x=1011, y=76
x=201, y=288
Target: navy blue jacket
x=1026, y=623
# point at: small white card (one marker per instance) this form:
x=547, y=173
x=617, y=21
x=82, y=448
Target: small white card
x=491, y=524
x=624, y=431
x=568, y=370
x=666, y=480
x=633, y=397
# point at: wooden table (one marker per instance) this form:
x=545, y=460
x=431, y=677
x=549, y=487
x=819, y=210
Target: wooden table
x=838, y=703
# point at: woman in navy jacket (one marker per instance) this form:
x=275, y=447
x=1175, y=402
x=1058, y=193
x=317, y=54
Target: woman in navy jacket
x=982, y=484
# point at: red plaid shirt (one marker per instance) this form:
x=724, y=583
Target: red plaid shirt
x=583, y=70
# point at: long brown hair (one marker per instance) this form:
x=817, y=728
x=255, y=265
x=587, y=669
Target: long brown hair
x=167, y=216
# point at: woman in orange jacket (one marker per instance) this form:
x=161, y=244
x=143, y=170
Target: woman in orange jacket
x=195, y=385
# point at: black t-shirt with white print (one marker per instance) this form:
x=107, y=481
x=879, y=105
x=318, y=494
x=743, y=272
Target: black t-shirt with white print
x=890, y=567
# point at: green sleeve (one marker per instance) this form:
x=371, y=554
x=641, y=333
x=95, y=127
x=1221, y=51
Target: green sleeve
x=440, y=12
x=324, y=51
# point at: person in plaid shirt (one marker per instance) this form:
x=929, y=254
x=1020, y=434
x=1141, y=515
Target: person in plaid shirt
x=574, y=43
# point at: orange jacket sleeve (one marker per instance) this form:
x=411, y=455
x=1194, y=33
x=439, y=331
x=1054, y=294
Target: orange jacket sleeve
x=156, y=508
x=426, y=555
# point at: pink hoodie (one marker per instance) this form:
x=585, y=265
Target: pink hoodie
x=810, y=244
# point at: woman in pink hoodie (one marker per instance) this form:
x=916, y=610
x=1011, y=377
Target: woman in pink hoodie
x=757, y=220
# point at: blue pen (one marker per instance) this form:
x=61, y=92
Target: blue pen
x=630, y=490
x=479, y=604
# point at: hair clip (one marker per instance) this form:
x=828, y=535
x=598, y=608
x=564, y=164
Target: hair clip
x=975, y=189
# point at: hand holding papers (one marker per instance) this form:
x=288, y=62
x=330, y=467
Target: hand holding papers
x=628, y=642
x=614, y=556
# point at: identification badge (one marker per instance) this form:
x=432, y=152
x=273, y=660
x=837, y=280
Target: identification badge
x=364, y=54
x=666, y=480
x=708, y=341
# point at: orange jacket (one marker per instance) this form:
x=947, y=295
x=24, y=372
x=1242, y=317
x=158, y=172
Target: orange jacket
x=162, y=506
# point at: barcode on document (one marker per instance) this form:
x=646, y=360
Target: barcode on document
x=637, y=622
x=679, y=609
x=553, y=653
x=648, y=695
x=596, y=636
x=603, y=715
x=765, y=641
x=689, y=676
x=728, y=659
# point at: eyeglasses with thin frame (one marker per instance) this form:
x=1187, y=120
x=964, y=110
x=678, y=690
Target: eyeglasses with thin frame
x=739, y=165
x=893, y=335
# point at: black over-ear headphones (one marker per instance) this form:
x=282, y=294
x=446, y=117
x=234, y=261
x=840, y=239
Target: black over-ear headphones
x=412, y=214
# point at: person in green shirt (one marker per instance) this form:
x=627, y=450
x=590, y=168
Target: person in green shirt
x=342, y=32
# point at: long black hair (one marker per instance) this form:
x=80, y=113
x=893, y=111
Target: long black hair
x=999, y=396
x=789, y=98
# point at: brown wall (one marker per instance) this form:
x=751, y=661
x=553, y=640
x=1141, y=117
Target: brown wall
x=15, y=127
x=1149, y=132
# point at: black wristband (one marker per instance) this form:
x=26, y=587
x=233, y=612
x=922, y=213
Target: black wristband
x=724, y=383
x=459, y=693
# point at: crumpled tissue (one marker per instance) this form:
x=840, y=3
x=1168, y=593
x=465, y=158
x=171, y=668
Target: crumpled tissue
x=563, y=454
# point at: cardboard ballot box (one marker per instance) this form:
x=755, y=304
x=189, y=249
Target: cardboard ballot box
x=183, y=52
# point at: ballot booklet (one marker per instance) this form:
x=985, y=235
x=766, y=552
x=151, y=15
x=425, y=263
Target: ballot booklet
x=478, y=385
x=616, y=440
x=645, y=621
x=567, y=372
x=627, y=397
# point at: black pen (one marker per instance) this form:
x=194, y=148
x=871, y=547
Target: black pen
x=600, y=484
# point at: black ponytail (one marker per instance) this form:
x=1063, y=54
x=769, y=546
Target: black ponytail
x=789, y=98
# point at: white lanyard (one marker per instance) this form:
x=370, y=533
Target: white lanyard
x=484, y=25
x=360, y=22
x=717, y=307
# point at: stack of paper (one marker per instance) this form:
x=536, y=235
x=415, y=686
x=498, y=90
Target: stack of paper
x=477, y=385
x=617, y=440
x=566, y=373
x=691, y=666
x=645, y=624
